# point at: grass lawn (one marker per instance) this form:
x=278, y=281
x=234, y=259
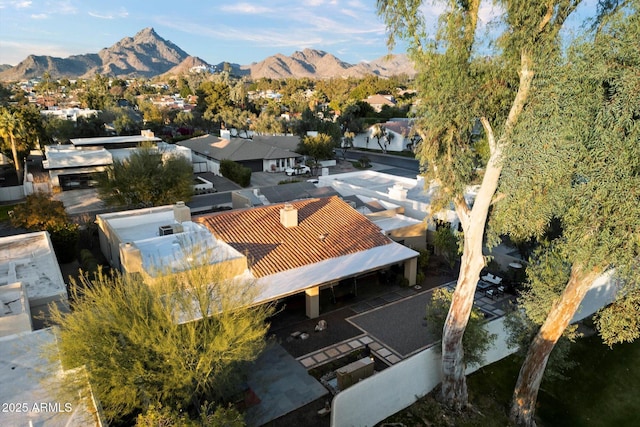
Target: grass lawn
x=603, y=390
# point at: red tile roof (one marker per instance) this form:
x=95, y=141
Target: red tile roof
x=272, y=248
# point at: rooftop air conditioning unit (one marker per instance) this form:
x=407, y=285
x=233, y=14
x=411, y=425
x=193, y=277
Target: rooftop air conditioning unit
x=165, y=230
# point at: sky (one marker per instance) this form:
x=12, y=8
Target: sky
x=238, y=32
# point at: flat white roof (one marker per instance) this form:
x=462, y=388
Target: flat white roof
x=141, y=228
x=68, y=156
x=172, y=251
x=110, y=140
x=395, y=222
x=30, y=381
x=15, y=316
x=378, y=185
x=332, y=270
x=30, y=259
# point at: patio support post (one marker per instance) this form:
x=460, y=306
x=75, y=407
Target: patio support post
x=312, y=302
x=411, y=270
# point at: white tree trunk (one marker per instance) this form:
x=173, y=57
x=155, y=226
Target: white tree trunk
x=525, y=393
x=454, y=387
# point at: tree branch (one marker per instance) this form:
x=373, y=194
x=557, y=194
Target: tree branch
x=462, y=210
x=490, y=135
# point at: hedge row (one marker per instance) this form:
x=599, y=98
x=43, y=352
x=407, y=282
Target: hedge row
x=235, y=172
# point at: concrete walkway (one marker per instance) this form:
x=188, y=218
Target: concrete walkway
x=281, y=384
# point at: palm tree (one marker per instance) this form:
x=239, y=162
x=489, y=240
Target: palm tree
x=10, y=128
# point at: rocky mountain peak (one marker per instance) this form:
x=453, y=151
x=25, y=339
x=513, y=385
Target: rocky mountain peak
x=149, y=55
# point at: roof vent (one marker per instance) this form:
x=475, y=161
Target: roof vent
x=165, y=230
x=289, y=216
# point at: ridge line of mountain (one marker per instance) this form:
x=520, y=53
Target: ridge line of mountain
x=147, y=55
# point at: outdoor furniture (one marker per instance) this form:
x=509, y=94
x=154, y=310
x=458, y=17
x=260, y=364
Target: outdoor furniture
x=483, y=286
x=492, y=279
x=500, y=290
x=490, y=293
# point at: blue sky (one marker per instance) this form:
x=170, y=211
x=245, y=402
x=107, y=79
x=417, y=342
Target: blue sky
x=240, y=32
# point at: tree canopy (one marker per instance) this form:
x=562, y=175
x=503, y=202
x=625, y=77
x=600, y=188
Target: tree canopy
x=146, y=345
x=575, y=160
x=457, y=86
x=40, y=212
x=319, y=147
x=21, y=130
x=147, y=178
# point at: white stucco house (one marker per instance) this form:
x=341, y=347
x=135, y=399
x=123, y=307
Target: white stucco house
x=72, y=166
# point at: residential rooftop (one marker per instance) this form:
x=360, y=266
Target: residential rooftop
x=30, y=259
x=113, y=140
x=30, y=384
x=236, y=149
x=326, y=228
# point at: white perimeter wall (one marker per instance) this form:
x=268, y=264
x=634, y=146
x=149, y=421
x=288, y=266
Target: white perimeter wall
x=399, y=386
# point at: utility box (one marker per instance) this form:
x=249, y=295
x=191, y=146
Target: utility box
x=354, y=372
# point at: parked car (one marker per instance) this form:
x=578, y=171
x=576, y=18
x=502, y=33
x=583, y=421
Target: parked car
x=298, y=170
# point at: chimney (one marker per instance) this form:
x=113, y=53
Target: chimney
x=289, y=216
x=130, y=258
x=181, y=212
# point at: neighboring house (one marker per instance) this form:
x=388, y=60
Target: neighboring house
x=257, y=154
x=378, y=101
x=72, y=166
x=399, y=137
x=410, y=194
x=390, y=218
x=305, y=246
x=32, y=386
x=278, y=194
x=71, y=114
x=30, y=279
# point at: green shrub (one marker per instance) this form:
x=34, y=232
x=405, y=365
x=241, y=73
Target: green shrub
x=88, y=262
x=235, y=172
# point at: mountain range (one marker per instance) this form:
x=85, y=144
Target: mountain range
x=148, y=55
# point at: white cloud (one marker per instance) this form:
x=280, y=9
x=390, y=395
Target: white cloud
x=101, y=16
x=122, y=13
x=39, y=16
x=245, y=8
x=21, y=4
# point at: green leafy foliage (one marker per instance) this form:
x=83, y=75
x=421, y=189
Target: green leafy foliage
x=21, y=130
x=446, y=245
x=161, y=416
x=41, y=213
x=146, y=178
x=235, y=172
x=476, y=340
x=142, y=350
x=619, y=322
x=318, y=147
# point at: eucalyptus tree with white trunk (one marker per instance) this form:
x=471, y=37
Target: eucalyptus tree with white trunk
x=575, y=160
x=457, y=85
